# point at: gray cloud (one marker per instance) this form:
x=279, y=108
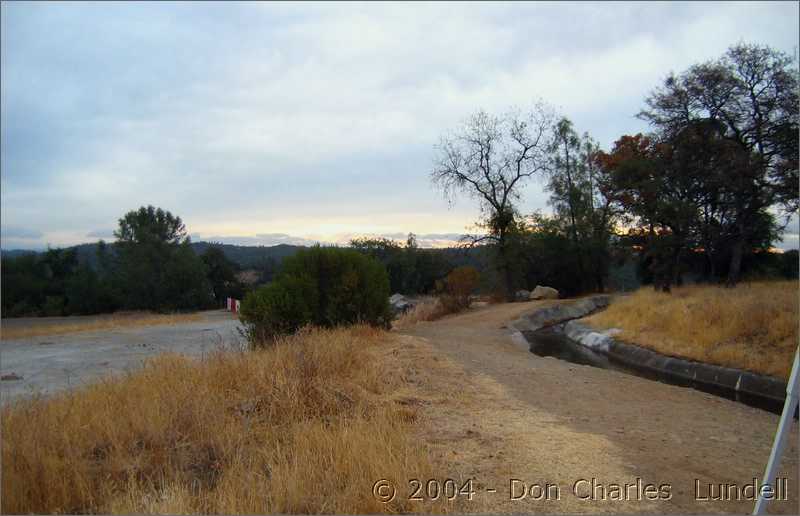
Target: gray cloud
x=101, y=233
x=22, y=233
x=308, y=119
x=440, y=236
x=15, y=237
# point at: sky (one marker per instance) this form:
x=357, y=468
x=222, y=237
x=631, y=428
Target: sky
x=267, y=123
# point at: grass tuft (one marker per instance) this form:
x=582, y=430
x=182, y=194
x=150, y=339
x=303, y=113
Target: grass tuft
x=304, y=426
x=753, y=326
x=428, y=309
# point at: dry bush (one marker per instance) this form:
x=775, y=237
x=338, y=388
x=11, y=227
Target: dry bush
x=753, y=326
x=456, y=290
x=103, y=322
x=304, y=426
x=454, y=294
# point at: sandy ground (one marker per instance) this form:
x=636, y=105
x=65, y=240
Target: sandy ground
x=50, y=363
x=493, y=412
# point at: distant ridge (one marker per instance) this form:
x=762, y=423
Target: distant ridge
x=245, y=256
x=253, y=257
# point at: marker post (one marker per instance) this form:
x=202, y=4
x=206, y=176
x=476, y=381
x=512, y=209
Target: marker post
x=789, y=406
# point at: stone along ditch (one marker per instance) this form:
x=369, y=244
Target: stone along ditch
x=555, y=331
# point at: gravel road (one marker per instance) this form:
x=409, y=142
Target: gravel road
x=41, y=365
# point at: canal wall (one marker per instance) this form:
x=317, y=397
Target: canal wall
x=637, y=357
x=559, y=313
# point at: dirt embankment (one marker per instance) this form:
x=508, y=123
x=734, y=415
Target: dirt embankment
x=505, y=417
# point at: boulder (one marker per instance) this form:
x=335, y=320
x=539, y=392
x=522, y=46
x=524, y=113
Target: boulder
x=561, y=312
x=400, y=304
x=541, y=292
x=521, y=295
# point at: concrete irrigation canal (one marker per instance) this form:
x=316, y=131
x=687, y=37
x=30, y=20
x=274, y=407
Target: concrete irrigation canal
x=556, y=332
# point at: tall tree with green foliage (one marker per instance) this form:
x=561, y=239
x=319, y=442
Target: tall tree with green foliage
x=221, y=274
x=157, y=268
x=24, y=284
x=547, y=254
x=675, y=190
x=654, y=182
x=751, y=95
x=567, y=196
x=578, y=197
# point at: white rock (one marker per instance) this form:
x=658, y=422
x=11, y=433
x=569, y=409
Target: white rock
x=541, y=292
x=400, y=303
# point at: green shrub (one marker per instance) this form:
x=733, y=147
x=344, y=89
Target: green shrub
x=21, y=309
x=279, y=308
x=53, y=306
x=320, y=286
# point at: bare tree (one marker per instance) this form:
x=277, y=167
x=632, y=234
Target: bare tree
x=489, y=158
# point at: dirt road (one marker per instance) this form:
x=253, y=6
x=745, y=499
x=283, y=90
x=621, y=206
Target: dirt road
x=44, y=364
x=494, y=412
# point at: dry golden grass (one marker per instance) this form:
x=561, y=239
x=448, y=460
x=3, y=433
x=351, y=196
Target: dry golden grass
x=107, y=322
x=429, y=309
x=304, y=426
x=752, y=327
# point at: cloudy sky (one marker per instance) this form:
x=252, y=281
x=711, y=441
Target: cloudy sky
x=270, y=123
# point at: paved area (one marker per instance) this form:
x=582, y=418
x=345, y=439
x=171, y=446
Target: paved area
x=42, y=365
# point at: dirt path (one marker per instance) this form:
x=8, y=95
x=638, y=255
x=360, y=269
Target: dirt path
x=494, y=412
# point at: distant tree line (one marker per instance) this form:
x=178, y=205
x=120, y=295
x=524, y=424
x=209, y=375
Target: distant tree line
x=411, y=270
x=151, y=266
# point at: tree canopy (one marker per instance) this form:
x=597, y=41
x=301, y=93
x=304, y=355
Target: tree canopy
x=734, y=121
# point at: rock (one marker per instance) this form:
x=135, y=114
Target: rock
x=562, y=312
x=10, y=377
x=400, y=304
x=541, y=292
x=521, y=295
